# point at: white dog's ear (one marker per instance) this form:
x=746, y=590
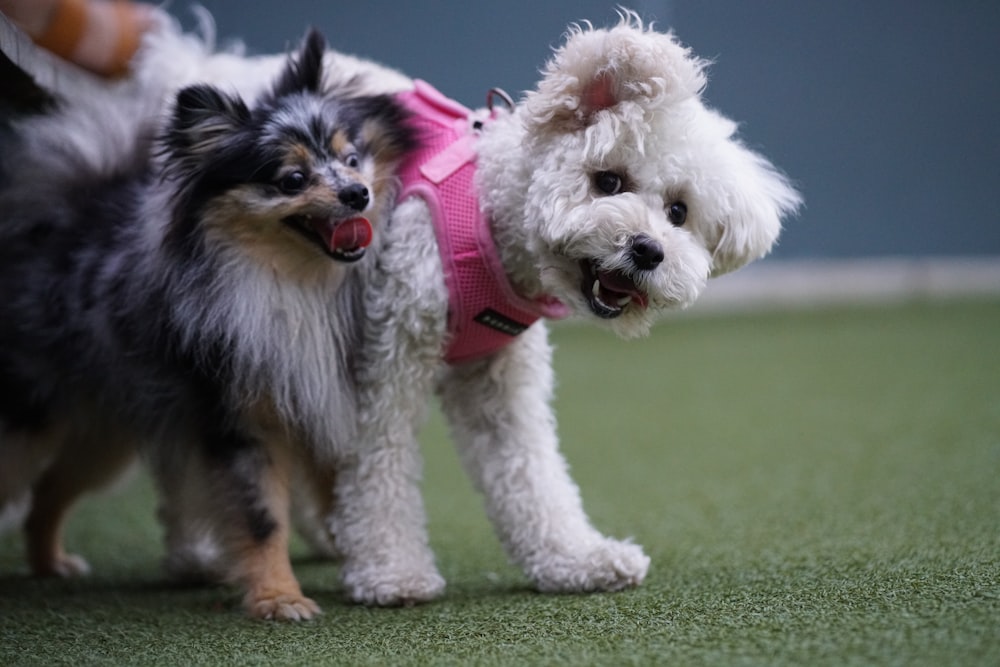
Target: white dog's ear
x=599, y=69
x=754, y=198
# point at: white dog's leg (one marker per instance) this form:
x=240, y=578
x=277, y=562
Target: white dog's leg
x=502, y=423
x=378, y=522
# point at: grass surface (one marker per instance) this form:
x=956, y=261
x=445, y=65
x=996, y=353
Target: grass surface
x=813, y=488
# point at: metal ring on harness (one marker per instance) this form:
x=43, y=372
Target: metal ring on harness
x=502, y=94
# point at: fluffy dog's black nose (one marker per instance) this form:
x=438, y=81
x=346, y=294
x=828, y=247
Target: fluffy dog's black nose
x=354, y=195
x=647, y=253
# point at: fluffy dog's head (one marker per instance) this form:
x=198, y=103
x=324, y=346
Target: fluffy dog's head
x=629, y=192
x=291, y=182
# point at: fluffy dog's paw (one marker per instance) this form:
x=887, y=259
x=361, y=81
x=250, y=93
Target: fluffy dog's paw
x=281, y=607
x=197, y=561
x=66, y=566
x=393, y=588
x=608, y=565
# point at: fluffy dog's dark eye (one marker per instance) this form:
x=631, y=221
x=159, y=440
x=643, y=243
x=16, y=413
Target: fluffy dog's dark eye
x=353, y=161
x=677, y=213
x=608, y=182
x=294, y=181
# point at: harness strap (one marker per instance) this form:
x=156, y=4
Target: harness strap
x=484, y=312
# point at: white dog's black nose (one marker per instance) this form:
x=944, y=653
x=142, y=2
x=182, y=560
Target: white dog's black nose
x=647, y=253
x=354, y=195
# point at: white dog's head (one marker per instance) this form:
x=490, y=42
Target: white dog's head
x=629, y=193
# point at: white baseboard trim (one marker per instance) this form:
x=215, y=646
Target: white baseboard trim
x=819, y=282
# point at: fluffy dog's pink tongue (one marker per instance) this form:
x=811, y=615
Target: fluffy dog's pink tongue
x=348, y=235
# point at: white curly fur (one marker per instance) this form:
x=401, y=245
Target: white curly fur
x=625, y=100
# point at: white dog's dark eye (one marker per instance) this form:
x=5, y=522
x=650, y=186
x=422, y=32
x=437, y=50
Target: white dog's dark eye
x=294, y=181
x=677, y=213
x=608, y=182
x=352, y=161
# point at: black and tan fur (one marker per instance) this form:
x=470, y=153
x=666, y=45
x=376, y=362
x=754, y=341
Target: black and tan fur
x=191, y=304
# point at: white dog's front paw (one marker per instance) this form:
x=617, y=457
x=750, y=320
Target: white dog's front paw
x=392, y=587
x=607, y=565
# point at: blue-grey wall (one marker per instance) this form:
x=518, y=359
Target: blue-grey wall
x=886, y=113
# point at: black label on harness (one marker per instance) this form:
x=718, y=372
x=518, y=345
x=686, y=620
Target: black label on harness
x=501, y=323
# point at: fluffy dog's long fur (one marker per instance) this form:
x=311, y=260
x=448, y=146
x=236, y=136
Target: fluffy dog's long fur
x=193, y=306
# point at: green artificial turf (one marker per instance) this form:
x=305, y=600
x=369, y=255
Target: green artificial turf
x=814, y=487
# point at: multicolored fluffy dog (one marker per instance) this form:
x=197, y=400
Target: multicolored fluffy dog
x=189, y=299
x=610, y=192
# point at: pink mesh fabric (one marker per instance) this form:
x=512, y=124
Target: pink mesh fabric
x=484, y=313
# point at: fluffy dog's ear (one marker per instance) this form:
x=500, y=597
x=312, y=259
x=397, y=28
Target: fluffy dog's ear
x=305, y=72
x=600, y=69
x=203, y=118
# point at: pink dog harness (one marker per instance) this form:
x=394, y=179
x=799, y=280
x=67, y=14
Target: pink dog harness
x=484, y=312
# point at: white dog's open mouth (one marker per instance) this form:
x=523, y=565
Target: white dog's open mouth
x=609, y=292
